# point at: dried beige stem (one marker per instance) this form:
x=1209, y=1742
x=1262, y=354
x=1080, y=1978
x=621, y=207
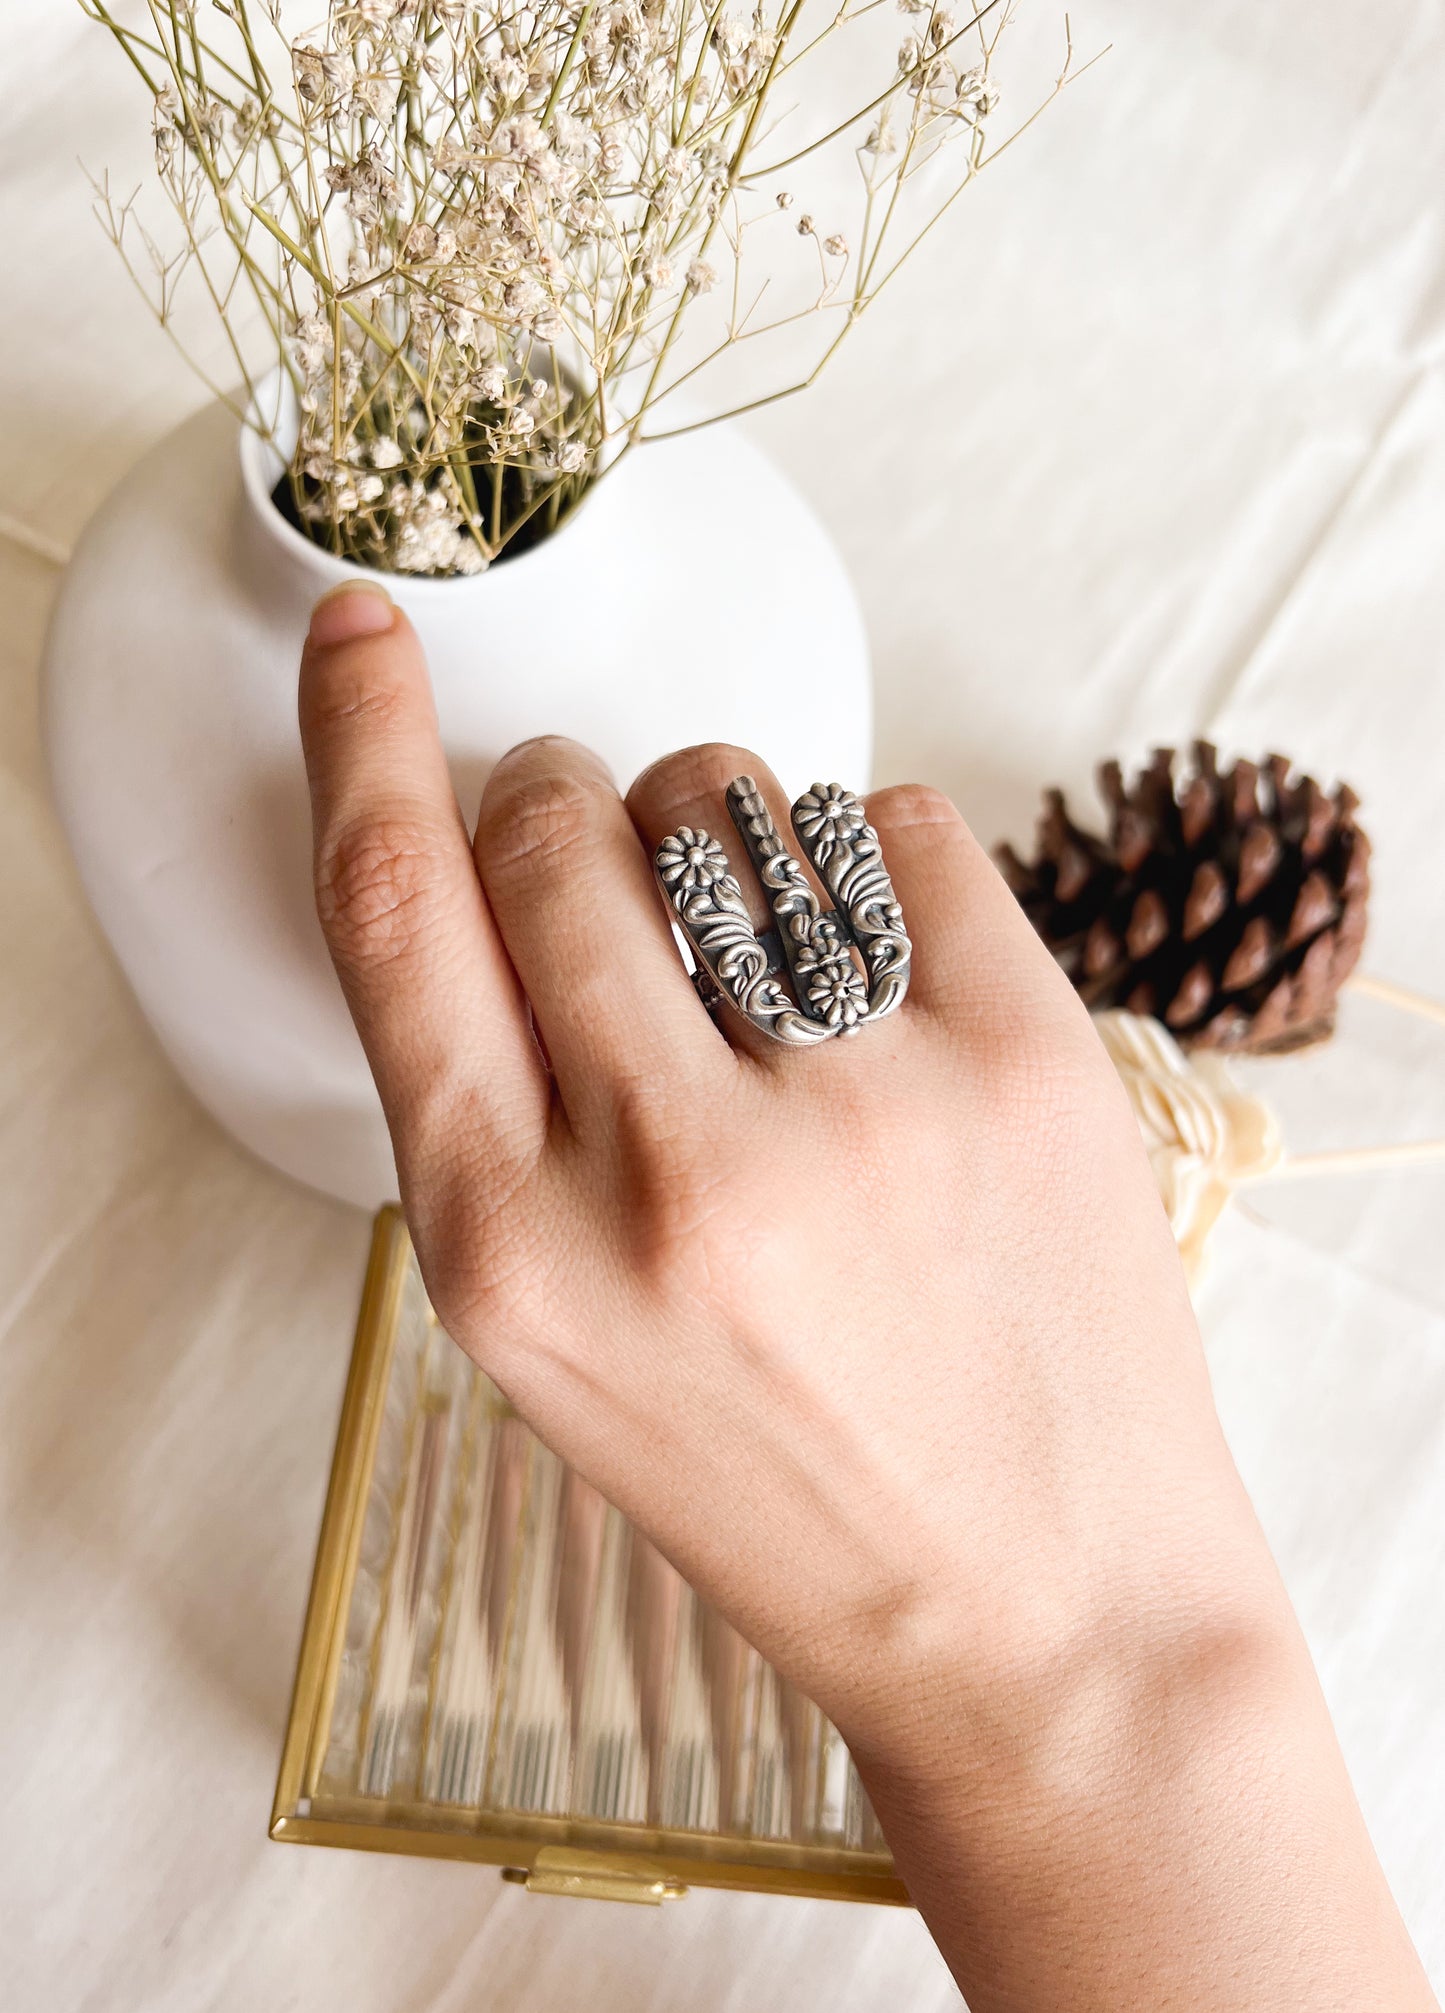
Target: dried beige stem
x=476, y=237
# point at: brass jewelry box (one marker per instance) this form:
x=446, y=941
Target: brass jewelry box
x=496, y=1667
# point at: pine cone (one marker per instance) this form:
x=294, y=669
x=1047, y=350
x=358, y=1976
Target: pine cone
x=1231, y=907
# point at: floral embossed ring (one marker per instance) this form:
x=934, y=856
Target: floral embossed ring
x=847, y=965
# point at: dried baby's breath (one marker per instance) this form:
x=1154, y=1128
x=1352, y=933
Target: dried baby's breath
x=475, y=230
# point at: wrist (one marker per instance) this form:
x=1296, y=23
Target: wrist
x=1170, y=1829
x=1063, y=1695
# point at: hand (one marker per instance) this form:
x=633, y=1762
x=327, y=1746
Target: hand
x=884, y=1343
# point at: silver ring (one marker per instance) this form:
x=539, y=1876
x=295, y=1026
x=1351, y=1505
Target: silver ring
x=847, y=965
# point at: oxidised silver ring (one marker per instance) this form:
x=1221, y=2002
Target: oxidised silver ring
x=848, y=965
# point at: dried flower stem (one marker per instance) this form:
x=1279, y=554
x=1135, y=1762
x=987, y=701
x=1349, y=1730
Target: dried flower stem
x=1358, y=1159
x=475, y=235
x=1390, y=994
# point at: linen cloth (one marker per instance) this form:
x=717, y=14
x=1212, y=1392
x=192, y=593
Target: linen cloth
x=1149, y=442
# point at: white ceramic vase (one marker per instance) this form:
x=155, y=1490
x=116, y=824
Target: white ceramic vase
x=694, y=597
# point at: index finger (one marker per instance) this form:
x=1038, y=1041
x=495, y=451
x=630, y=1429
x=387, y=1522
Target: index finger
x=435, y=1000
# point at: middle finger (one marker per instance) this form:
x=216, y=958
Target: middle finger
x=573, y=896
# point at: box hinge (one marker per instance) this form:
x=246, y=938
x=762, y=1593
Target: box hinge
x=595, y=1876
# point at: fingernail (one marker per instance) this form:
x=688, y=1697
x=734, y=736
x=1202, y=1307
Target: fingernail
x=541, y=745
x=356, y=608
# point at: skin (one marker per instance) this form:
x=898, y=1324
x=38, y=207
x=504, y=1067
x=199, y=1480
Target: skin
x=885, y=1344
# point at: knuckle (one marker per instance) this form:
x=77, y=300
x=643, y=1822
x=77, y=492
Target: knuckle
x=536, y=821
x=349, y=695
x=490, y=1264
x=1042, y=1085
x=683, y=1207
x=685, y=1238
x=378, y=884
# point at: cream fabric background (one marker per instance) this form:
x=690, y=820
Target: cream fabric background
x=1153, y=443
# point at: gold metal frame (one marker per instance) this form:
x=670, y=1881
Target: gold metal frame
x=547, y=1854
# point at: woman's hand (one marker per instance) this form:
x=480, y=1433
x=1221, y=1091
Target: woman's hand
x=884, y=1343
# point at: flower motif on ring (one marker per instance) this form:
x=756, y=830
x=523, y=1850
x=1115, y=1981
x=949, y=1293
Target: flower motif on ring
x=833, y=986
x=828, y=811
x=691, y=860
